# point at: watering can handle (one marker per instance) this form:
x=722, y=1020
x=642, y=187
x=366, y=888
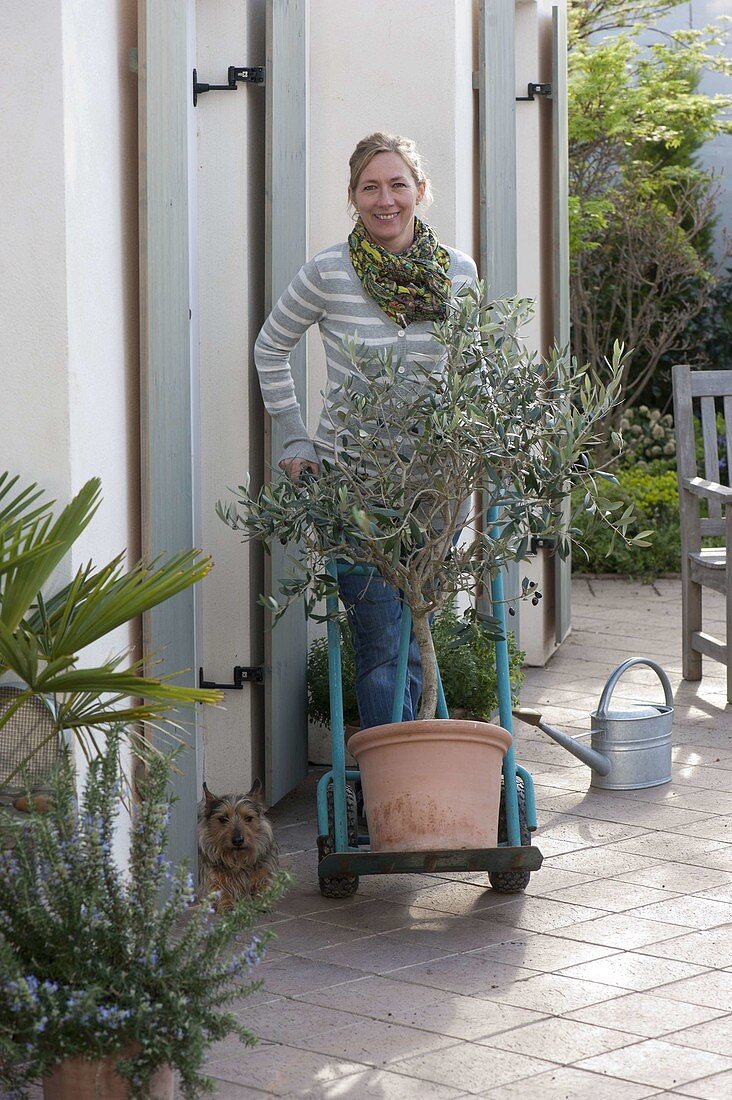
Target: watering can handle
x=615, y=676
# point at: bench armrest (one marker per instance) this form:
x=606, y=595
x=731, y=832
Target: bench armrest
x=708, y=489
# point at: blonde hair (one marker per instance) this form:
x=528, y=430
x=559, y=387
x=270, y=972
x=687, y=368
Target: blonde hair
x=380, y=142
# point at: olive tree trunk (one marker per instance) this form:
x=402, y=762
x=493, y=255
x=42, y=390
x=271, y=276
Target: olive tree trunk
x=423, y=635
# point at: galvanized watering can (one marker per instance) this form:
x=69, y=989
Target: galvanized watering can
x=631, y=748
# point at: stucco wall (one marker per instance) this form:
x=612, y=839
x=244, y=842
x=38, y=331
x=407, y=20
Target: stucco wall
x=68, y=235
x=395, y=66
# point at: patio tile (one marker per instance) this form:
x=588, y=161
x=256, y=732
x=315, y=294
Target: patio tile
x=714, y=988
x=633, y=971
x=590, y=832
x=307, y=933
x=693, y=911
x=577, y=1084
x=454, y=934
x=458, y=898
x=720, y=858
x=709, y=1088
x=668, y=845
x=287, y=1020
x=682, y=877
x=380, y=953
x=373, y=996
x=466, y=974
x=698, y=799
x=714, y=1035
x=718, y=893
x=552, y=993
x=382, y=1085
x=561, y=1040
x=658, y=1062
x=539, y=914
x=545, y=953
x=279, y=1070
x=616, y=809
x=652, y=1016
x=461, y=1017
x=712, y=948
x=552, y=846
x=227, y=1090
x=603, y=862
x=571, y=779
x=611, y=895
x=374, y=915
x=621, y=930
x=471, y=1067
x=293, y=975
x=549, y=878
x=374, y=1042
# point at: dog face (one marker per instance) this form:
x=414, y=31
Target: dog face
x=234, y=823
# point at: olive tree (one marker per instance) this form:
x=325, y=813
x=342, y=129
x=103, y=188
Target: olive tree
x=422, y=455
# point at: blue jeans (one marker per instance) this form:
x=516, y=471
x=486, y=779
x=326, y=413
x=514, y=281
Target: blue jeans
x=374, y=613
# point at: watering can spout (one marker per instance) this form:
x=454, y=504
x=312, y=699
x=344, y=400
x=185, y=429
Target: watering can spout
x=588, y=756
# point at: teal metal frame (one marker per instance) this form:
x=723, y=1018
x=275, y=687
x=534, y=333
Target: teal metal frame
x=358, y=859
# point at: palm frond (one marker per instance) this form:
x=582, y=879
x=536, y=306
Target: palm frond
x=26, y=579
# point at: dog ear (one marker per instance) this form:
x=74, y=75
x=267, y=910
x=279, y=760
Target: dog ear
x=210, y=798
x=256, y=790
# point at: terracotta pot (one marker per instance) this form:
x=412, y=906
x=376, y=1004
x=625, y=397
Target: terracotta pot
x=84, y=1079
x=431, y=785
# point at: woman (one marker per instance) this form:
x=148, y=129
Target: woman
x=386, y=285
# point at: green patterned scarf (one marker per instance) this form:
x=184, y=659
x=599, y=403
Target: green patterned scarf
x=407, y=286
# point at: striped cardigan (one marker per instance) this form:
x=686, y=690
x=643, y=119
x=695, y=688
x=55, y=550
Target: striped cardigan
x=327, y=292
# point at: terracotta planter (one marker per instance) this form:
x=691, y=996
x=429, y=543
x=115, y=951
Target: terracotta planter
x=431, y=785
x=82, y=1079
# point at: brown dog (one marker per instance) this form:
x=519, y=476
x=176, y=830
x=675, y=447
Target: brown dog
x=237, y=851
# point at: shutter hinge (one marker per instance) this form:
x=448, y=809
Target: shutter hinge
x=236, y=74
x=243, y=674
x=534, y=90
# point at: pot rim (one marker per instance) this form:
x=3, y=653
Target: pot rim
x=430, y=729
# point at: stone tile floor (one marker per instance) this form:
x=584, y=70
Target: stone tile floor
x=610, y=977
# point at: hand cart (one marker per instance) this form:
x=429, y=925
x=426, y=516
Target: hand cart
x=343, y=852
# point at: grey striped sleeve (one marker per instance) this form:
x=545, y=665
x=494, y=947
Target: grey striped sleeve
x=303, y=304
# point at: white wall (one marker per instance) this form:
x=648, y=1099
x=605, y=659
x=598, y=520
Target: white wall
x=230, y=256
x=33, y=310
x=68, y=315
x=398, y=66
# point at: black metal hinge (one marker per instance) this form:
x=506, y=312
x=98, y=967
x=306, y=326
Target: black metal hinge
x=534, y=90
x=542, y=542
x=243, y=674
x=236, y=74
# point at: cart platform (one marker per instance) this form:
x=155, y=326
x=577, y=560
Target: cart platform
x=524, y=858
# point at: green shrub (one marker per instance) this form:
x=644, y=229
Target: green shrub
x=464, y=655
x=648, y=435
x=652, y=488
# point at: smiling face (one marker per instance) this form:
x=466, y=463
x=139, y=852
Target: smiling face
x=386, y=196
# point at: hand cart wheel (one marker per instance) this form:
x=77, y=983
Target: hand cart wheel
x=512, y=882
x=339, y=886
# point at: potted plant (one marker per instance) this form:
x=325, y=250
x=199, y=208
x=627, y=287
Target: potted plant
x=486, y=424
x=44, y=626
x=106, y=988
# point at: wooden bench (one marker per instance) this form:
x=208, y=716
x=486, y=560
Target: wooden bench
x=703, y=566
